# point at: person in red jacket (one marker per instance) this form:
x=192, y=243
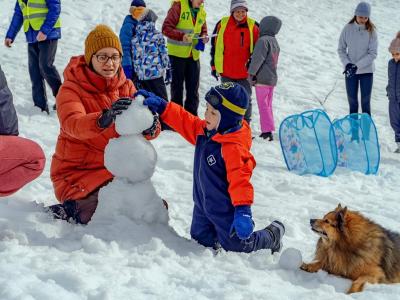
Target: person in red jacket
x=223, y=165
x=233, y=46
x=94, y=92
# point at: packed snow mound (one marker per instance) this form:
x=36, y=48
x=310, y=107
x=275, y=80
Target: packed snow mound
x=138, y=202
x=135, y=119
x=131, y=157
x=290, y=259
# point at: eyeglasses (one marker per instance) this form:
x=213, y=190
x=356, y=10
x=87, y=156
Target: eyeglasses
x=215, y=98
x=104, y=58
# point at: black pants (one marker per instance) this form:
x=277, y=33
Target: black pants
x=365, y=82
x=156, y=86
x=247, y=86
x=41, y=58
x=185, y=70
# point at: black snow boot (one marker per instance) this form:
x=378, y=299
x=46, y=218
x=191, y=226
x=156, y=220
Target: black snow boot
x=66, y=211
x=267, y=136
x=277, y=230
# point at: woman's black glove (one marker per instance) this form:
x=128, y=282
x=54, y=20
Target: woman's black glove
x=108, y=116
x=350, y=70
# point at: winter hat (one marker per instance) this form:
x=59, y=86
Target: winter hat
x=138, y=3
x=239, y=3
x=270, y=25
x=100, y=37
x=231, y=100
x=363, y=9
x=395, y=44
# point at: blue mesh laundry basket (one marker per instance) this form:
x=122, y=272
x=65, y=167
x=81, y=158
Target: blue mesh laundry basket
x=308, y=143
x=357, y=143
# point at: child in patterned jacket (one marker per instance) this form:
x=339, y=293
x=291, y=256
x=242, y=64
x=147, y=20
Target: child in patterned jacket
x=146, y=58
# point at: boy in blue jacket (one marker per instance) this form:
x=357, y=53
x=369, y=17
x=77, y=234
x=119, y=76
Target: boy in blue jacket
x=223, y=165
x=42, y=27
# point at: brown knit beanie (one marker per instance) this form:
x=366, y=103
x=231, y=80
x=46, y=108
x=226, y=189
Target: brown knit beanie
x=100, y=37
x=395, y=44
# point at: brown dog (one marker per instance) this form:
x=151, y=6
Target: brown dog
x=354, y=247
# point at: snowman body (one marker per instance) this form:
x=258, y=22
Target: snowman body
x=132, y=160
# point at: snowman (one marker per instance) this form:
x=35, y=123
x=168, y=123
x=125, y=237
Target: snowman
x=132, y=160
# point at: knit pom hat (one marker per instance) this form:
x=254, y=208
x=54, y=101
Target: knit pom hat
x=395, y=44
x=233, y=107
x=239, y=3
x=100, y=37
x=363, y=9
x=138, y=3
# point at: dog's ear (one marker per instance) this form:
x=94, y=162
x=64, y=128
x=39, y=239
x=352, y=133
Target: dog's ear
x=340, y=218
x=338, y=208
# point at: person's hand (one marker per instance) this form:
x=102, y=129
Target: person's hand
x=154, y=130
x=200, y=45
x=168, y=76
x=143, y=93
x=108, y=116
x=242, y=224
x=187, y=38
x=214, y=74
x=205, y=39
x=350, y=71
x=8, y=42
x=41, y=37
x=156, y=104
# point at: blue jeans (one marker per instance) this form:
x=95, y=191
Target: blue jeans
x=365, y=82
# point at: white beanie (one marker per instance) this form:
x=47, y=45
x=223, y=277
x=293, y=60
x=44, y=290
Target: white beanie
x=239, y=3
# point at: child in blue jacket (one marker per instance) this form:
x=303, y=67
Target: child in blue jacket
x=145, y=58
x=223, y=165
x=393, y=89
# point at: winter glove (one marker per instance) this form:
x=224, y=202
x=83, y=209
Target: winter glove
x=108, y=116
x=200, y=45
x=350, y=70
x=242, y=224
x=215, y=74
x=168, y=76
x=155, y=103
x=128, y=70
x=154, y=130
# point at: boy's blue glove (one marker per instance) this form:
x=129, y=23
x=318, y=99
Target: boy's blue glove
x=242, y=224
x=128, y=70
x=155, y=103
x=200, y=45
x=168, y=76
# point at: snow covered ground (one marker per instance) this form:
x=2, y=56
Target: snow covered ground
x=125, y=259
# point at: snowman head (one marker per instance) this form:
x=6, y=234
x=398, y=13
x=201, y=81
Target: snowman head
x=136, y=119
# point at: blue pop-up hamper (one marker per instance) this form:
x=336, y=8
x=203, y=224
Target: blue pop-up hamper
x=357, y=143
x=308, y=143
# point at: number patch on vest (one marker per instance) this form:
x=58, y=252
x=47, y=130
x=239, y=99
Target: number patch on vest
x=185, y=15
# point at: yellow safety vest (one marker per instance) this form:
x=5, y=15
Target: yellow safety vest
x=185, y=24
x=219, y=48
x=34, y=13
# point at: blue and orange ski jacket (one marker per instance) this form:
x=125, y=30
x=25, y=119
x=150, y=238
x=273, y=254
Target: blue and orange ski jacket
x=223, y=164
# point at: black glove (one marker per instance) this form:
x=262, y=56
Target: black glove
x=108, y=116
x=215, y=74
x=350, y=70
x=153, y=129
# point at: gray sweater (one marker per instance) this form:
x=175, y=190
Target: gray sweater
x=358, y=46
x=264, y=59
x=8, y=116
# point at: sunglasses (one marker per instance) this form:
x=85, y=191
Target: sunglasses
x=216, y=99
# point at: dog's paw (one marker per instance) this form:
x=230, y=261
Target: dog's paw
x=312, y=268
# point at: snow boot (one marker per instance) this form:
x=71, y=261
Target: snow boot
x=398, y=148
x=66, y=211
x=277, y=230
x=267, y=136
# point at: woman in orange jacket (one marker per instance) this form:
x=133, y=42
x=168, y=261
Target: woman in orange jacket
x=94, y=92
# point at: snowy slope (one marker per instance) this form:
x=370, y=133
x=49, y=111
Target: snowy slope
x=45, y=259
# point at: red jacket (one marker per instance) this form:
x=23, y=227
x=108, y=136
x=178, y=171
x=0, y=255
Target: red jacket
x=236, y=47
x=77, y=168
x=172, y=19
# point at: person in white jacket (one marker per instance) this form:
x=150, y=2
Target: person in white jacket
x=358, y=44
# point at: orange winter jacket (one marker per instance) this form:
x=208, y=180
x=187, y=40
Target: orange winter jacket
x=77, y=167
